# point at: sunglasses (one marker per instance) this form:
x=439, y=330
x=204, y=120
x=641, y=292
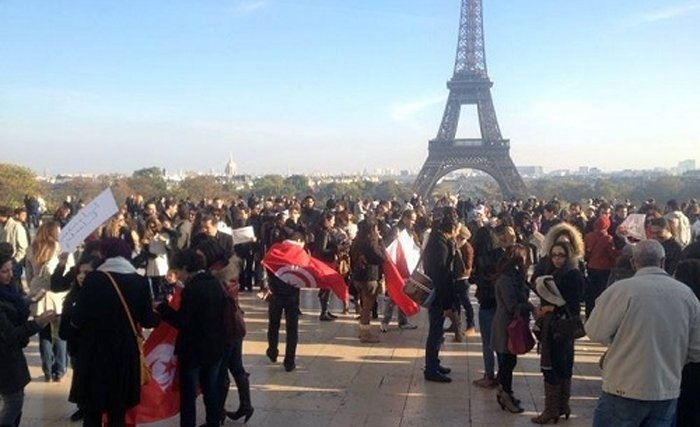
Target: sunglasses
x=558, y=255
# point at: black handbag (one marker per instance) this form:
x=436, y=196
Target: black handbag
x=567, y=327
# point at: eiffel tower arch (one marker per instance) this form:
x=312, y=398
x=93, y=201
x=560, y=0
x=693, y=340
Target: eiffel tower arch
x=470, y=85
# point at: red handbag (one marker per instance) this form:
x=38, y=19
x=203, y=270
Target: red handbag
x=520, y=339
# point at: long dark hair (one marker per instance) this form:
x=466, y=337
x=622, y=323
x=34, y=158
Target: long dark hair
x=513, y=261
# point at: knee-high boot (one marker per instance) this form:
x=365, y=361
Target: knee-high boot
x=245, y=408
x=551, y=404
x=564, y=408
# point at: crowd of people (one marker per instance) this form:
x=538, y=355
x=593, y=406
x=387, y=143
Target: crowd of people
x=89, y=307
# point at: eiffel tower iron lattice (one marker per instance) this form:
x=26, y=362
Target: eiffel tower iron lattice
x=470, y=85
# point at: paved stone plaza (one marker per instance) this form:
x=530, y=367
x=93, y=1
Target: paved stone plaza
x=342, y=382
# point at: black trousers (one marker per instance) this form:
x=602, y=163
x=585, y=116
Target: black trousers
x=289, y=304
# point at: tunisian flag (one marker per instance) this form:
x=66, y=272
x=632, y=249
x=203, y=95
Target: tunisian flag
x=403, y=257
x=293, y=265
x=160, y=397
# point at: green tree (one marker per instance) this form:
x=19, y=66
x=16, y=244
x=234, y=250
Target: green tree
x=198, y=187
x=149, y=182
x=15, y=182
x=298, y=185
x=270, y=185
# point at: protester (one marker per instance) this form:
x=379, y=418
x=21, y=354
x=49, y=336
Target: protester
x=656, y=319
x=107, y=377
x=73, y=281
x=227, y=271
x=557, y=352
x=407, y=224
x=600, y=259
x=325, y=248
x=511, y=300
x=367, y=254
x=438, y=260
x=283, y=298
x=15, y=330
x=200, y=342
x=688, y=272
x=42, y=260
x=486, y=258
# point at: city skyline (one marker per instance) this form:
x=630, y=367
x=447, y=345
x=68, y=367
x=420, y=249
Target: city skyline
x=309, y=86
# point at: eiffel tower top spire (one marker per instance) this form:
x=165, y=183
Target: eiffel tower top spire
x=470, y=61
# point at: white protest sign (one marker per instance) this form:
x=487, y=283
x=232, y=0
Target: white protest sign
x=87, y=220
x=243, y=235
x=633, y=226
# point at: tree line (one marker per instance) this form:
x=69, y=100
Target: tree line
x=17, y=181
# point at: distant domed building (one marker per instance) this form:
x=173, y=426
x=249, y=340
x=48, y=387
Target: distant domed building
x=231, y=168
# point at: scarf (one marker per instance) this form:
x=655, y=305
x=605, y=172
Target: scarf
x=117, y=265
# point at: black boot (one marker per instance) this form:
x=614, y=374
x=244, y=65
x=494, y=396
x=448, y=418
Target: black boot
x=223, y=394
x=245, y=409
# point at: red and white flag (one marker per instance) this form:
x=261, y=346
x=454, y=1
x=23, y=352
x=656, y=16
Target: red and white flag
x=160, y=397
x=403, y=257
x=293, y=265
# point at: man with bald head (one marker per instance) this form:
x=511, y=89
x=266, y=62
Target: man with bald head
x=651, y=325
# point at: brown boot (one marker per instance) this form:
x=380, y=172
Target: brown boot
x=552, y=393
x=564, y=397
x=367, y=336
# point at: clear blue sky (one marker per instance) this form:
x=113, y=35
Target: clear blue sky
x=301, y=86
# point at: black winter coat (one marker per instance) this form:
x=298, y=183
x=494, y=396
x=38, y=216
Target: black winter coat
x=366, y=259
x=438, y=260
x=199, y=321
x=107, y=375
x=14, y=373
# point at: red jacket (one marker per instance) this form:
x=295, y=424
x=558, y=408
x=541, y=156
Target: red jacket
x=600, y=250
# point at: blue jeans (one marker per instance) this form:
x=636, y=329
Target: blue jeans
x=53, y=352
x=207, y=376
x=11, y=408
x=432, y=343
x=486, y=316
x=618, y=411
x=389, y=312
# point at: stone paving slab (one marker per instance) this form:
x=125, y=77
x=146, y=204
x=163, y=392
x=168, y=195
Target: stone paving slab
x=341, y=382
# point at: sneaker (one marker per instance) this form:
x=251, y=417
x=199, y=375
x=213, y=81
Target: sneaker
x=334, y=316
x=408, y=326
x=289, y=366
x=383, y=327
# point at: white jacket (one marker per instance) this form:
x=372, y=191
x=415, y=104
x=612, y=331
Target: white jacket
x=651, y=324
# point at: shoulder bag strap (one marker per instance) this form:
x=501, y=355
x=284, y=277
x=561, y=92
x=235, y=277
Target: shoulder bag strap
x=126, y=307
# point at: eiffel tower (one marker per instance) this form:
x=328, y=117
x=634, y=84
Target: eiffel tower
x=470, y=85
